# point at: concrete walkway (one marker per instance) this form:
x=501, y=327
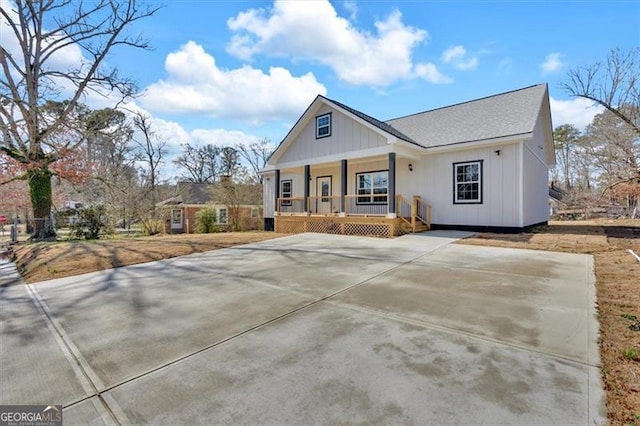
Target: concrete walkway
x=313, y=329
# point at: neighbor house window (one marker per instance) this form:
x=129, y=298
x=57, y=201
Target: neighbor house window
x=467, y=182
x=223, y=217
x=255, y=212
x=372, y=187
x=286, y=191
x=323, y=126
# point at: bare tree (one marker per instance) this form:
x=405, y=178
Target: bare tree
x=151, y=150
x=256, y=155
x=200, y=163
x=229, y=161
x=615, y=85
x=614, y=149
x=43, y=31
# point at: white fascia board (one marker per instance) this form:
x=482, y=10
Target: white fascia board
x=335, y=158
x=478, y=144
x=304, y=119
x=267, y=170
x=359, y=120
x=408, y=151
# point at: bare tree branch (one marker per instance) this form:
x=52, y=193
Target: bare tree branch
x=42, y=30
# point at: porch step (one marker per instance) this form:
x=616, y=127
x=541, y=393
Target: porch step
x=406, y=228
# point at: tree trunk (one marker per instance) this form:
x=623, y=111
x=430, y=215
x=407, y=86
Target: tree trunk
x=39, y=180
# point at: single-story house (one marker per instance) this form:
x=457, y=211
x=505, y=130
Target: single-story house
x=477, y=165
x=180, y=210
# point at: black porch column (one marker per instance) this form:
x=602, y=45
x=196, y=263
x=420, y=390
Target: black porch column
x=277, y=189
x=307, y=179
x=392, y=183
x=343, y=185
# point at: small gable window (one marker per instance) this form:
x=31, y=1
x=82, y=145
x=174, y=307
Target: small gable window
x=323, y=126
x=467, y=182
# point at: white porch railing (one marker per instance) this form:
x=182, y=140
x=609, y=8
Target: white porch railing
x=291, y=206
x=328, y=206
x=410, y=211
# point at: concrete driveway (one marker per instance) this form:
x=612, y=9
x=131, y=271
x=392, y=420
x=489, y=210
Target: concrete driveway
x=313, y=328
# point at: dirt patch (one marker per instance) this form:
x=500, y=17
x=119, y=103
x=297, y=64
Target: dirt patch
x=48, y=260
x=618, y=297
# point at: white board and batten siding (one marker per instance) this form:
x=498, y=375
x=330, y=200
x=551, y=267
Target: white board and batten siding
x=432, y=179
x=535, y=177
x=347, y=135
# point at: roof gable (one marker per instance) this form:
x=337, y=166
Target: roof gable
x=507, y=114
x=317, y=105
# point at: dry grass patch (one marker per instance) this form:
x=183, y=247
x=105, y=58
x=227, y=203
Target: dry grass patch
x=618, y=297
x=48, y=260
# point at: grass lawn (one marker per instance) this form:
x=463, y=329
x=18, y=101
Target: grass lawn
x=618, y=297
x=48, y=260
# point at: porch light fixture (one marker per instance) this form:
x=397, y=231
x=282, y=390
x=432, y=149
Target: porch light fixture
x=497, y=151
x=410, y=167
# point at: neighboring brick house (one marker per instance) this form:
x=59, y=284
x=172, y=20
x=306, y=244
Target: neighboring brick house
x=180, y=210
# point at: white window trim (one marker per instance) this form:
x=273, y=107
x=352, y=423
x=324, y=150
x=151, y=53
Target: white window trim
x=282, y=182
x=456, y=200
x=328, y=125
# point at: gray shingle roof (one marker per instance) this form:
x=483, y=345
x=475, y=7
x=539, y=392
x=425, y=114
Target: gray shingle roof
x=195, y=193
x=374, y=121
x=506, y=114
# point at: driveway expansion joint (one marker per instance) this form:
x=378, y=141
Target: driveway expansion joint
x=84, y=373
x=259, y=326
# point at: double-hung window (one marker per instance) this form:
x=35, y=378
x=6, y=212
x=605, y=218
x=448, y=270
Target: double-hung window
x=323, y=126
x=467, y=182
x=223, y=217
x=286, y=191
x=372, y=187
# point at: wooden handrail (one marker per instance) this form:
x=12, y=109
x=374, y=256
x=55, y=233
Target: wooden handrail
x=420, y=205
x=402, y=204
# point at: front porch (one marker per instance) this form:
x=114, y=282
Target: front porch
x=345, y=215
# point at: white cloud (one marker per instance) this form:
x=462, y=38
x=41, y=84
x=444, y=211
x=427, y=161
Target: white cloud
x=552, y=63
x=578, y=111
x=63, y=59
x=351, y=7
x=457, y=56
x=430, y=73
x=176, y=135
x=313, y=31
x=195, y=84
x=223, y=137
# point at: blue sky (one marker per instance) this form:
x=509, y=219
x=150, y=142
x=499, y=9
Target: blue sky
x=230, y=71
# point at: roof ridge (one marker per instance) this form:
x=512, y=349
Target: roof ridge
x=465, y=102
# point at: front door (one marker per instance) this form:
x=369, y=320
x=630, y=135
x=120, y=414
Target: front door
x=176, y=220
x=323, y=195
